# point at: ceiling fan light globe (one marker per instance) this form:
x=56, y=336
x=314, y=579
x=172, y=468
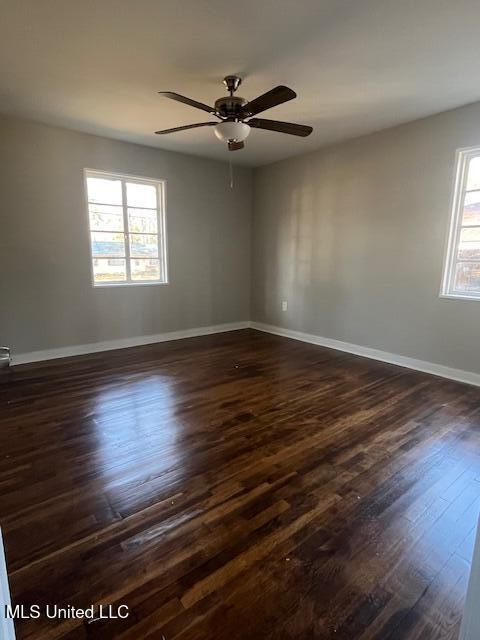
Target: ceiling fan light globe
x=232, y=131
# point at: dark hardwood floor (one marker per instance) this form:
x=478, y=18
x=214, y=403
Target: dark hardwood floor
x=239, y=486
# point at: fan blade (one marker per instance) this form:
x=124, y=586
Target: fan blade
x=282, y=127
x=268, y=100
x=187, y=126
x=185, y=100
x=234, y=146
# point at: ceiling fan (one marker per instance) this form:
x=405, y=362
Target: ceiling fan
x=237, y=114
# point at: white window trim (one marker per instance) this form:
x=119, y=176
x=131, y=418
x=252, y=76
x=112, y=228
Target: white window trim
x=463, y=157
x=161, y=186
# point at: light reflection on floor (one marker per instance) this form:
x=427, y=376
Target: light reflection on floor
x=130, y=419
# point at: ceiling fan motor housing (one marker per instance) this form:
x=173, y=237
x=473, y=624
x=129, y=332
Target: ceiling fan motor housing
x=230, y=107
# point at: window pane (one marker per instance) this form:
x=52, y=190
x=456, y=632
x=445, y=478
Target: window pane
x=471, y=209
x=467, y=276
x=469, y=247
x=145, y=269
x=104, y=190
x=145, y=246
x=105, y=217
x=108, y=244
x=142, y=220
x=141, y=195
x=473, y=180
x=109, y=269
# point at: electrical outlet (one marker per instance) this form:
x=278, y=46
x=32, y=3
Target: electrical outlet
x=284, y=305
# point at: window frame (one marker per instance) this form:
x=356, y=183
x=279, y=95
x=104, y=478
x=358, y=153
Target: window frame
x=462, y=163
x=161, y=187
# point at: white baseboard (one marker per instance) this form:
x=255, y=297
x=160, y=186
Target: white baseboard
x=7, y=630
x=109, y=345
x=375, y=354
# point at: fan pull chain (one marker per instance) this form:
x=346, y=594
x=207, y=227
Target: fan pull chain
x=231, y=173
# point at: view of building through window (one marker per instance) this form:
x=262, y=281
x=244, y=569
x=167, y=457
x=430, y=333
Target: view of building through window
x=462, y=275
x=127, y=229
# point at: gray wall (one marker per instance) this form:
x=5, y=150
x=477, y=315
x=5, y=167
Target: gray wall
x=46, y=297
x=353, y=237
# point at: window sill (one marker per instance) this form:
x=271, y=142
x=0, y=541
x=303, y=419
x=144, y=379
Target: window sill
x=459, y=296
x=114, y=285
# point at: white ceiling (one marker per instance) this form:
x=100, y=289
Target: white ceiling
x=357, y=65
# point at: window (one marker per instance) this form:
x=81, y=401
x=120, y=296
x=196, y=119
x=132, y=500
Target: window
x=127, y=229
x=461, y=278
